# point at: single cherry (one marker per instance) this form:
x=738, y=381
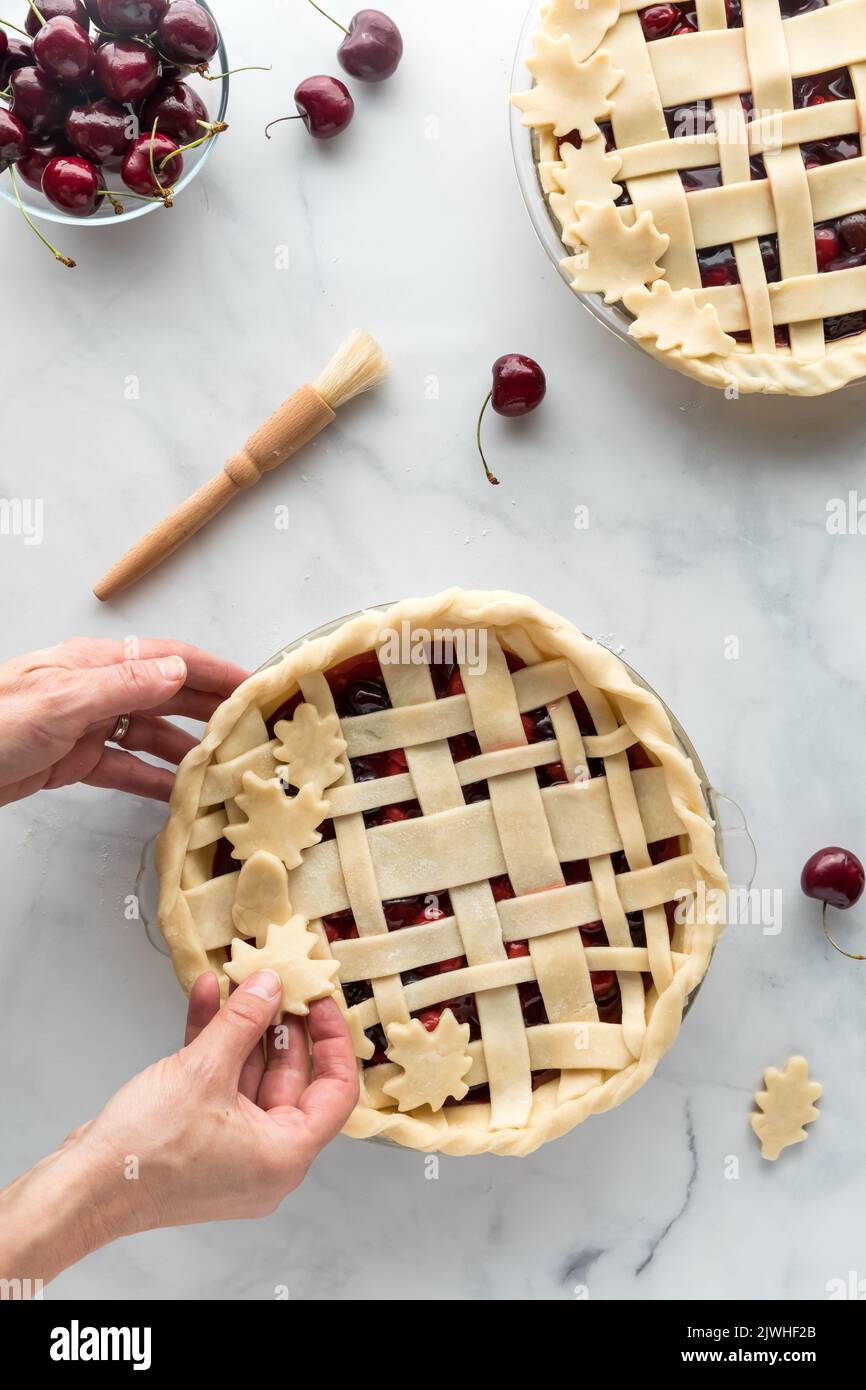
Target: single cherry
x=14, y=140
x=130, y=17
x=853, y=232
x=33, y=165
x=127, y=70
x=100, y=130
x=660, y=20
x=373, y=46
x=142, y=169
x=54, y=9
x=19, y=54
x=187, y=34
x=827, y=246
x=325, y=106
x=37, y=101
x=4, y=45
x=834, y=877
x=72, y=184
x=63, y=50
x=519, y=387
x=179, y=111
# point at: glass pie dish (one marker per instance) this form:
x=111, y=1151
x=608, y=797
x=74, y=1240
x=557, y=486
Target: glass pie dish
x=493, y=892
x=215, y=96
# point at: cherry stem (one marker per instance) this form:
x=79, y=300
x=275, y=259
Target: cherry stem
x=490, y=477
x=279, y=121
x=329, y=16
x=833, y=943
x=9, y=25
x=38, y=13
x=64, y=260
x=218, y=76
x=166, y=192
x=216, y=128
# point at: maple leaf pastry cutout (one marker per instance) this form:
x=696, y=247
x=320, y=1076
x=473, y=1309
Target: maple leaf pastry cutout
x=586, y=21
x=312, y=746
x=433, y=1064
x=280, y=824
x=584, y=175
x=287, y=951
x=262, y=896
x=676, y=322
x=787, y=1104
x=567, y=95
x=613, y=258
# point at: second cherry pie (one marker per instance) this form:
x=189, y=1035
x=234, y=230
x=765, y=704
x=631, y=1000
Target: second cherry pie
x=465, y=820
x=705, y=162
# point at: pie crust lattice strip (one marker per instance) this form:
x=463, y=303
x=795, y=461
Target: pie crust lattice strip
x=705, y=162
x=488, y=845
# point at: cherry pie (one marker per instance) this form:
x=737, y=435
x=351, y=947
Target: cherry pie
x=706, y=164
x=466, y=820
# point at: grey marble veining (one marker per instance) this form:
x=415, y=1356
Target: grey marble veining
x=707, y=521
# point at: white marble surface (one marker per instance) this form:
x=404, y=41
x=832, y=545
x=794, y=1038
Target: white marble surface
x=707, y=521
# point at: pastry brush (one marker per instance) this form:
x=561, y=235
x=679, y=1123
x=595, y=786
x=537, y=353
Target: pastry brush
x=358, y=365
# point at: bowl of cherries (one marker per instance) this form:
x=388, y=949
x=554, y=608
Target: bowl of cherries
x=108, y=108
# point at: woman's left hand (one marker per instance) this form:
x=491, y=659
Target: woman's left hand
x=60, y=707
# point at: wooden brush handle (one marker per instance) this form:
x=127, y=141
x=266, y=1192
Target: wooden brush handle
x=298, y=420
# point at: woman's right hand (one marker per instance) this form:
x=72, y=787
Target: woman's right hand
x=219, y=1130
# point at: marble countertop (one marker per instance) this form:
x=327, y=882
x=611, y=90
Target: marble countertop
x=707, y=522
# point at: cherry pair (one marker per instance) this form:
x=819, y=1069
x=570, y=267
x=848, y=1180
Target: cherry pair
x=371, y=52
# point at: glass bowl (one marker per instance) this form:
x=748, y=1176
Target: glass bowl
x=37, y=205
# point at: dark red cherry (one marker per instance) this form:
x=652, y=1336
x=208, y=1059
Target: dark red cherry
x=660, y=20
x=33, y=165
x=53, y=9
x=827, y=246
x=130, y=17
x=372, y=48
x=853, y=232
x=127, y=70
x=136, y=170
x=4, y=45
x=73, y=185
x=19, y=54
x=834, y=876
x=92, y=7
x=519, y=386
x=63, y=50
x=179, y=110
x=100, y=130
x=37, y=101
x=325, y=106
x=14, y=140
x=187, y=34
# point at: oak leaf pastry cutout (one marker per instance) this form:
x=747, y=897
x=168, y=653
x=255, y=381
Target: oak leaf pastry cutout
x=587, y=21
x=280, y=824
x=434, y=1064
x=674, y=320
x=568, y=95
x=287, y=951
x=312, y=747
x=613, y=258
x=262, y=896
x=584, y=175
x=787, y=1105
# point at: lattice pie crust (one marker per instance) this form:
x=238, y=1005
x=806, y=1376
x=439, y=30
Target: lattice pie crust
x=513, y=1086
x=635, y=231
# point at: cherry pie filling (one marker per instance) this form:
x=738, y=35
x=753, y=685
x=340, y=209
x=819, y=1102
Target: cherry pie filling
x=840, y=244
x=358, y=688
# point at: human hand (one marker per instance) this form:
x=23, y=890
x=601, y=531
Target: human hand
x=216, y=1132
x=221, y=1130
x=58, y=707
